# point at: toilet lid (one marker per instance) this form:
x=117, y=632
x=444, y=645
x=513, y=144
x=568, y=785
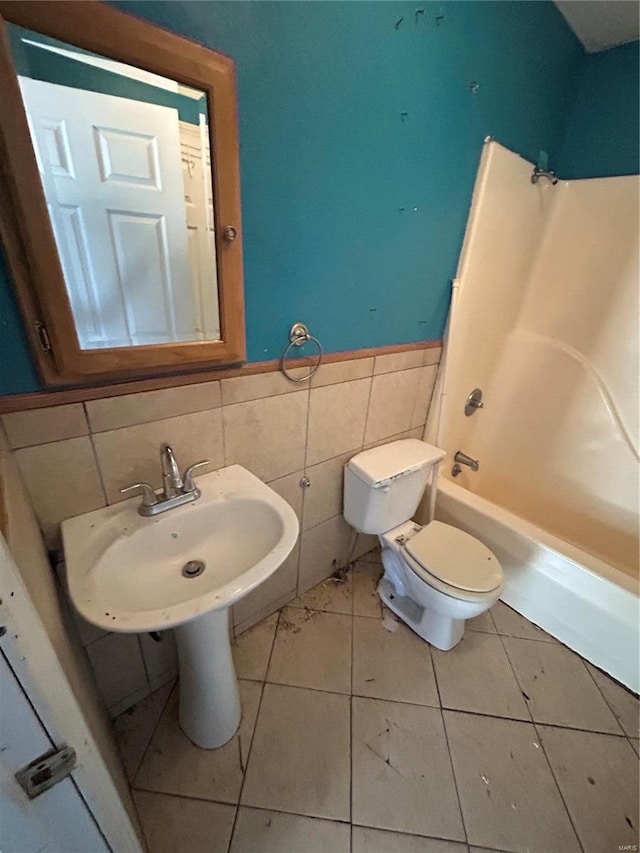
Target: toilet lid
x=454, y=557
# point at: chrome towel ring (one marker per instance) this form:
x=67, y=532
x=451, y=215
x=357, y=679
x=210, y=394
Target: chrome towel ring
x=299, y=335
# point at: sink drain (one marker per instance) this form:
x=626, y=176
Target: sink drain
x=192, y=569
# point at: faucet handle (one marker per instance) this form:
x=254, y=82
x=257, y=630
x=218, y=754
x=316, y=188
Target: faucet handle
x=148, y=495
x=187, y=477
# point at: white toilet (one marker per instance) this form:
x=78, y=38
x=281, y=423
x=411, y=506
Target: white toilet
x=435, y=577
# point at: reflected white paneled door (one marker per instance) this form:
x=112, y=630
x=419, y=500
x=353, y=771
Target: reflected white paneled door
x=112, y=175
x=198, y=198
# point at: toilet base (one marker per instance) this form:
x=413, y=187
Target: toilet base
x=440, y=631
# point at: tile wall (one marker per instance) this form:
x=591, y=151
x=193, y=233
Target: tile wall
x=76, y=457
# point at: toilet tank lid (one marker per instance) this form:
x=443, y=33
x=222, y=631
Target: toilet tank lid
x=381, y=464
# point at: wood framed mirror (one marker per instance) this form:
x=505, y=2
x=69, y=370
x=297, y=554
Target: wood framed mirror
x=120, y=195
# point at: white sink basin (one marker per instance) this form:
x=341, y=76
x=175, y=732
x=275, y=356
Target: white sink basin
x=125, y=573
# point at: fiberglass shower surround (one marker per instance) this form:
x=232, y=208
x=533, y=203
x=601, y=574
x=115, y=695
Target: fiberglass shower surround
x=547, y=327
x=545, y=323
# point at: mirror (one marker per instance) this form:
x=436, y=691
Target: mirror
x=129, y=158
x=123, y=156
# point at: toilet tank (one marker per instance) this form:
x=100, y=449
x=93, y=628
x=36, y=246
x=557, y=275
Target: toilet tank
x=383, y=486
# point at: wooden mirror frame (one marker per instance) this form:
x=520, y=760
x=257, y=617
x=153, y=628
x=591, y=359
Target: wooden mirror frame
x=25, y=226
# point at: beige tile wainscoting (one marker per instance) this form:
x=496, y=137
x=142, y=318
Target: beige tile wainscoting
x=76, y=457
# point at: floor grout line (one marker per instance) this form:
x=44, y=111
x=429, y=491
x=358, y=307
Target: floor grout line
x=399, y=832
x=528, y=722
x=253, y=734
x=515, y=675
x=443, y=706
x=493, y=621
x=193, y=797
x=544, y=752
x=147, y=846
x=412, y=834
x=529, y=639
x=348, y=823
x=617, y=683
x=144, y=664
x=448, y=708
x=557, y=784
x=606, y=701
x=621, y=733
x=446, y=737
x=153, y=733
x=297, y=814
x=377, y=618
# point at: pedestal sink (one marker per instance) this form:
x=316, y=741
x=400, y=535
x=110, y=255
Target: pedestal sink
x=183, y=569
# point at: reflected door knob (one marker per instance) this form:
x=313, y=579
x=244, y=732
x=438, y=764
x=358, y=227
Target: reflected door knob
x=230, y=233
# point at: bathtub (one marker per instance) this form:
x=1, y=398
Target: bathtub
x=546, y=578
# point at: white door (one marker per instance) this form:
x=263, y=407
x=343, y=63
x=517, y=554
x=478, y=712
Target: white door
x=58, y=819
x=198, y=197
x=112, y=174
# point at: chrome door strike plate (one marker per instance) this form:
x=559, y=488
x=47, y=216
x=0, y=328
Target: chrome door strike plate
x=46, y=771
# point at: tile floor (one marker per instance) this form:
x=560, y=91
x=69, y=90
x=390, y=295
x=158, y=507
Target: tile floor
x=359, y=738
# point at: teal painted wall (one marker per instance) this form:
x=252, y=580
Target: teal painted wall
x=361, y=126
x=602, y=138
x=17, y=371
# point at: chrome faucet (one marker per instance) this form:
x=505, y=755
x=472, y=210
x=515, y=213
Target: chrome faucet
x=176, y=489
x=171, y=479
x=462, y=459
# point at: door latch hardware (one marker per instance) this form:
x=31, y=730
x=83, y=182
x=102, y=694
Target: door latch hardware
x=46, y=771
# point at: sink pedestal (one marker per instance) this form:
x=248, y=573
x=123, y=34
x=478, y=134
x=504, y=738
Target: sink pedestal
x=209, y=698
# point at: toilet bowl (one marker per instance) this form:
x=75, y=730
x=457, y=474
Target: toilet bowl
x=455, y=578
x=435, y=577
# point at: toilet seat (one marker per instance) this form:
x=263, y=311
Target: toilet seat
x=452, y=561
